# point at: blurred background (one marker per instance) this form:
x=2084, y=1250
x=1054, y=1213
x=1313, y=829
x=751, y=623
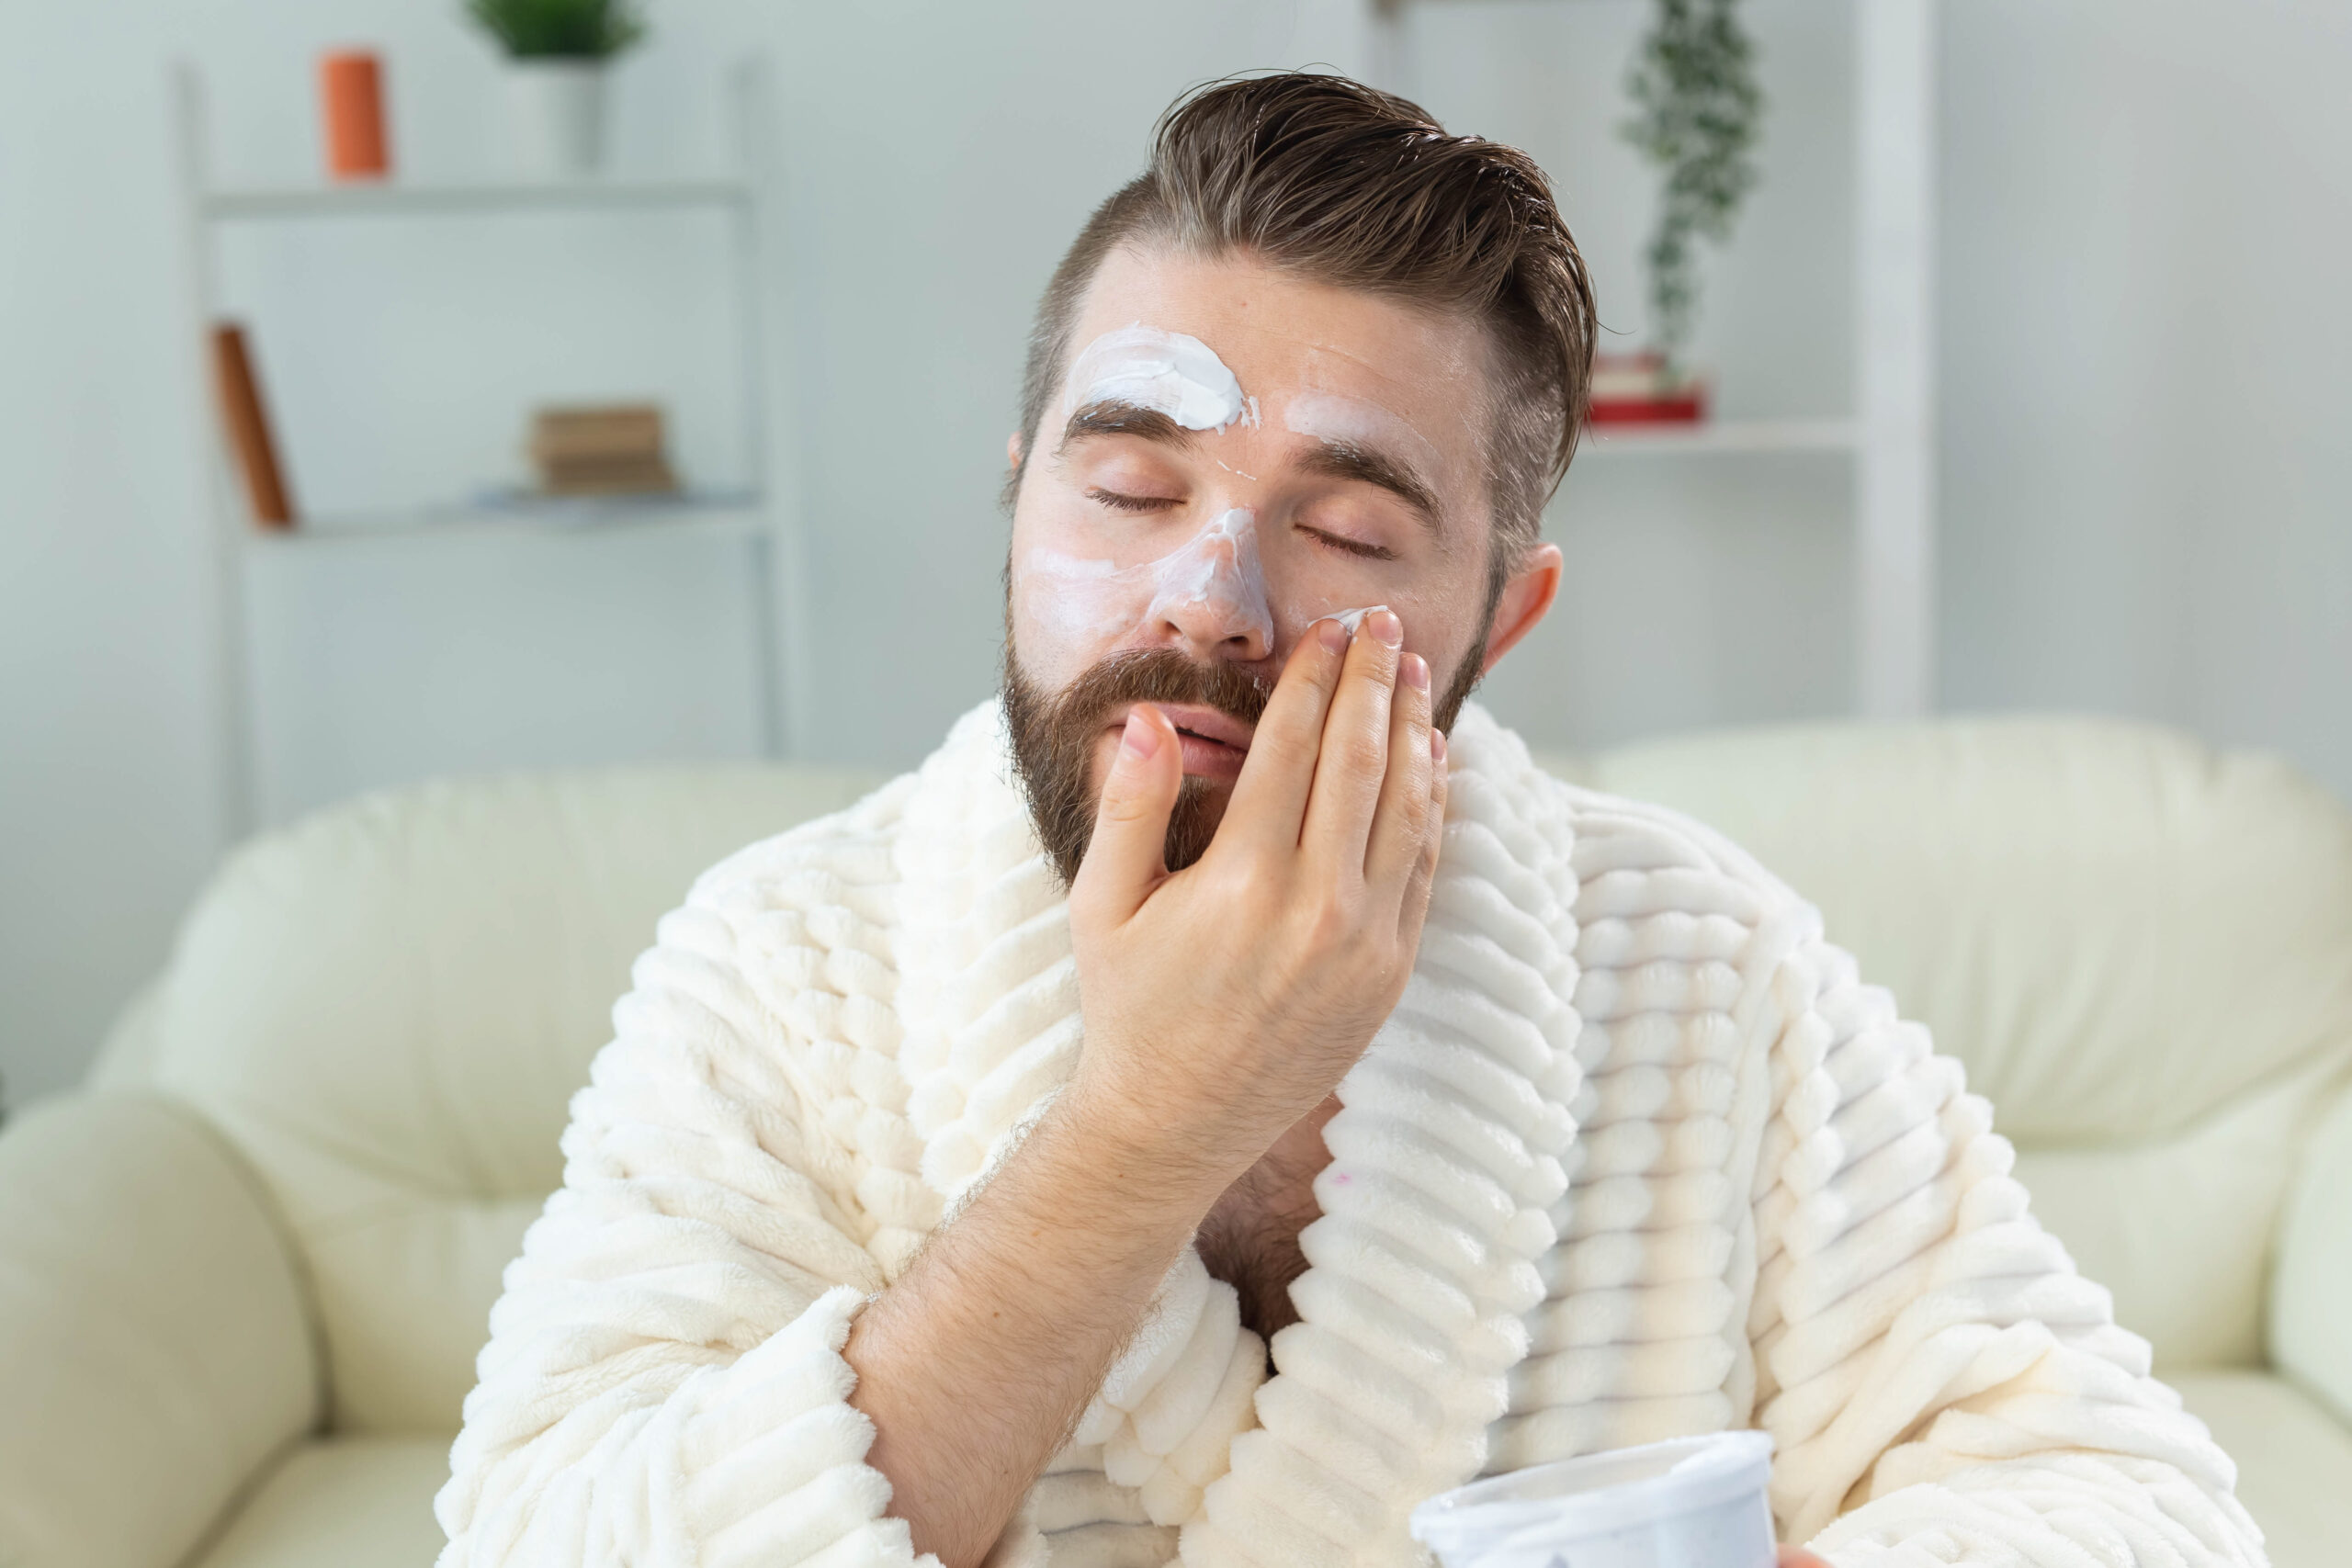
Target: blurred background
x=813, y=244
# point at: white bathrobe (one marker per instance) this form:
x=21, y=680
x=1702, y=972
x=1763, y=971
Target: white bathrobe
x=1637, y=1155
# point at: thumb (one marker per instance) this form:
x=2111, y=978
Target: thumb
x=1126, y=858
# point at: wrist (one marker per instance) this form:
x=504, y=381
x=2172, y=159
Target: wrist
x=1141, y=1159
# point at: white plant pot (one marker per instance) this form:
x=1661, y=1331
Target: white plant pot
x=556, y=116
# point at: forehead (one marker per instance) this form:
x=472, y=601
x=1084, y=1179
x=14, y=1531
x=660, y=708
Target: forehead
x=1282, y=336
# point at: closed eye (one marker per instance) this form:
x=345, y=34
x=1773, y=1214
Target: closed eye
x=1346, y=545
x=1119, y=501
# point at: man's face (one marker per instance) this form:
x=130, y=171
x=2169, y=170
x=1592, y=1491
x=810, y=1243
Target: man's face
x=1233, y=454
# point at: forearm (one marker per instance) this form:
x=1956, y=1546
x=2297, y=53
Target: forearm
x=976, y=1362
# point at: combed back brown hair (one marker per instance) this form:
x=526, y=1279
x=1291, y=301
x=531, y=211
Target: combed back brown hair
x=1342, y=183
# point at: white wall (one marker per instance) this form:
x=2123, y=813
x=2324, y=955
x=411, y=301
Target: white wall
x=2148, y=365
x=2146, y=348
x=1704, y=590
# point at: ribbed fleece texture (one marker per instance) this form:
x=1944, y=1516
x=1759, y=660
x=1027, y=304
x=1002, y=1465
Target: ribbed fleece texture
x=1637, y=1155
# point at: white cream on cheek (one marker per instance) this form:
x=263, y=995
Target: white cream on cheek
x=1215, y=578
x=1073, y=600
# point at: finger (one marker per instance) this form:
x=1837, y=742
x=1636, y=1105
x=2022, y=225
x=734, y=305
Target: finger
x=1400, y=821
x=1270, y=798
x=1125, y=858
x=1423, y=880
x=1354, y=753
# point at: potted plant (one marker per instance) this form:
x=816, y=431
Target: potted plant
x=557, y=52
x=1698, y=109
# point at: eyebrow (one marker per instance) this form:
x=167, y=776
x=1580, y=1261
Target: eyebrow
x=1370, y=465
x=1113, y=417
x=1331, y=459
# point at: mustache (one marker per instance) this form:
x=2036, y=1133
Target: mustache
x=1159, y=675
x=1054, y=735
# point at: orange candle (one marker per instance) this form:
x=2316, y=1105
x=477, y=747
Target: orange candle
x=351, y=92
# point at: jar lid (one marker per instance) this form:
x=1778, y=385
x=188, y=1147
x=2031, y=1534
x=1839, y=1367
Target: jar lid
x=1613, y=1490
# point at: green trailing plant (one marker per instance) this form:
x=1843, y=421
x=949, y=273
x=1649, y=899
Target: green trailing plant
x=559, y=29
x=1694, y=85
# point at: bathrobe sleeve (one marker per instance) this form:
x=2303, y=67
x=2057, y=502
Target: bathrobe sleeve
x=1943, y=1387
x=663, y=1382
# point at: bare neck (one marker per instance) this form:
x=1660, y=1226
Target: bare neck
x=1251, y=1238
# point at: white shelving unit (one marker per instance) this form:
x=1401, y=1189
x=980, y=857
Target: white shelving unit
x=1890, y=436
x=687, y=539
x=487, y=195
x=1721, y=435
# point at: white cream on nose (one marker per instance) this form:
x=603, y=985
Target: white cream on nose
x=1217, y=576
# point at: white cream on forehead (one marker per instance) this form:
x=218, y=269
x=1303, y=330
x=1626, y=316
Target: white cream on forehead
x=1328, y=416
x=1180, y=377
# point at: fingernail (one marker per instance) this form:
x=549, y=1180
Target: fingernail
x=1437, y=747
x=1334, y=634
x=1415, y=670
x=1141, y=737
x=1384, y=624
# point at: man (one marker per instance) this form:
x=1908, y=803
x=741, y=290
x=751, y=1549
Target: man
x=1228, y=1094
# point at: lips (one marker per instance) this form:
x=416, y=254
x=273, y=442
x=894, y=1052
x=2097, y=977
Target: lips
x=1202, y=723
x=1214, y=743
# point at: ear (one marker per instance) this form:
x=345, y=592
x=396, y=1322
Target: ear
x=1527, y=597
x=1013, y=450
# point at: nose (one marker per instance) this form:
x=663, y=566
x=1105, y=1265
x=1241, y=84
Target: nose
x=1211, y=595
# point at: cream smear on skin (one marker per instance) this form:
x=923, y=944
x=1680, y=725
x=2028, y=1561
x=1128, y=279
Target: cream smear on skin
x=1216, y=572
x=1218, y=569
x=1181, y=376
x=1328, y=416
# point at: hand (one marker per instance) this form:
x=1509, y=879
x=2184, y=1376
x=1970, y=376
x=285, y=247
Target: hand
x=1798, y=1557
x=1224, y=1003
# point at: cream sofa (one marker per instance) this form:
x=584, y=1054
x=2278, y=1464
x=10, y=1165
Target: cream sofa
x=243, y=1276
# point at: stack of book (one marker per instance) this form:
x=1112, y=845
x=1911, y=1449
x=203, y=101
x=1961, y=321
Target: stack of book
x=1645, y=389
x=612, y=450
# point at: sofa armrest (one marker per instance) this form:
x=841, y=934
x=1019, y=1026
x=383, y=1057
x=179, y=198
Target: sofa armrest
x=2311, y=1300
x=153, y=1341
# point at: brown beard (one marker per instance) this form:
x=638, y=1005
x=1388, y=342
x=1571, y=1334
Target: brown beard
x=1055, y=736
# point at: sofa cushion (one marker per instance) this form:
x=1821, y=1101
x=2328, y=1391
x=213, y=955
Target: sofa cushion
x=2178, y=1228
x=151, y=1327
x=388, y=1006
x=348, y=1502
x=2310, y=1316
x=2294, y=1462
x=2141, y=948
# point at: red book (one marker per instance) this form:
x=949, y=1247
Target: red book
x=1687, y=410
x=1643, y=389
x=246, y=419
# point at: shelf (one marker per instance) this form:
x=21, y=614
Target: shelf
x=392, y=197
x=1721, y=436
x=583, y=517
